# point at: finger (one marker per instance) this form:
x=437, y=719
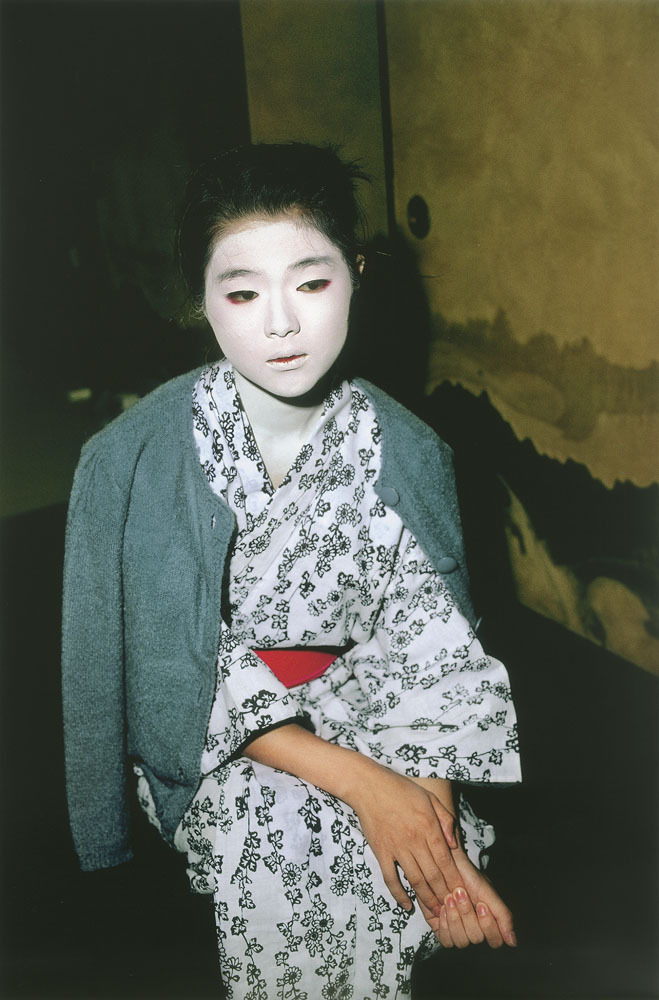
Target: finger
x=455, y=926
x=447, y=823
x=436, y=861
x=505, y=923
x=444, y=934
x=489, y=926
x=500, y=912
x=443, y=860
x=416, y=872
x=394, y=884
x=470, y=921
x=431, y=918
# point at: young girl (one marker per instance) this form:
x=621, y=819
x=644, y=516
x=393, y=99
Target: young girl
x=267, y=614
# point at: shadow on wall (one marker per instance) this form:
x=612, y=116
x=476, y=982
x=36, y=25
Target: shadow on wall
x=391, y=329
x=577, y=551
x=569, y=399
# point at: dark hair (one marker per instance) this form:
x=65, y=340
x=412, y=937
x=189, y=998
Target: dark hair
x=268, y=180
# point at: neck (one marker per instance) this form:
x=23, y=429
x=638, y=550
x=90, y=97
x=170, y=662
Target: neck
x=274, y=416
x=280, y=426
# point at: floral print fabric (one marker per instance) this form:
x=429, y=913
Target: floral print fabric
x=301, y=907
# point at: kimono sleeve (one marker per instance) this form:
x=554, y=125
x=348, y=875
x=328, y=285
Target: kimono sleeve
x=92, y=667
x=438, y=705
x=249, y=700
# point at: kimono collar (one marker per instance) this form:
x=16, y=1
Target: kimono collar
x=232, y=432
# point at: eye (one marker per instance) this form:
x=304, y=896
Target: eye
x=315, y=285
x=243, y=295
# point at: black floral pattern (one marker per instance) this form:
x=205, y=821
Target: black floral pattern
x=322, y=561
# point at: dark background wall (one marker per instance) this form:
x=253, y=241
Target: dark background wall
x=105, y=107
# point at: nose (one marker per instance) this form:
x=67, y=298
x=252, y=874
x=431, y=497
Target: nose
x=282, y=318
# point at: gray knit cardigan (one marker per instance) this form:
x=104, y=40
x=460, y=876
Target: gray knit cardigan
x=147, y=545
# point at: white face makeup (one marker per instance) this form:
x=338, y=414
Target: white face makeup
x=277, y=298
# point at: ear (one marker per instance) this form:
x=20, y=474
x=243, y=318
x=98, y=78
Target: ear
x=361, y=261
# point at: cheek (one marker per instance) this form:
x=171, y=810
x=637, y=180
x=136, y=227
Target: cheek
x=226, y=320
x=332, y=313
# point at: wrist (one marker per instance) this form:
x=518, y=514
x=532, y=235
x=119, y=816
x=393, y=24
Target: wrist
x=442, y=789
x=359, y=777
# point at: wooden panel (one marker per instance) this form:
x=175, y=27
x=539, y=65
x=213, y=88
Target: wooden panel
x=313, y=75
x=531, y=130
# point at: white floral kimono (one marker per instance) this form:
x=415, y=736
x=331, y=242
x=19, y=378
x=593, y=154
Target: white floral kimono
x=301, y=907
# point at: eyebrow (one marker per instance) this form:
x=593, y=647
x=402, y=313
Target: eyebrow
x=310, y=262
x=235, y=272
x=299, y=265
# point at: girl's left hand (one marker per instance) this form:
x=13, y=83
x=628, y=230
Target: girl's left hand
x=458, y=925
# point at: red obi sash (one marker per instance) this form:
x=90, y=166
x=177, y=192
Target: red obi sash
x=297, y=666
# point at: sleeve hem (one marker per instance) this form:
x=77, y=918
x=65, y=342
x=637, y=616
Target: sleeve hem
x=97, y=862
x=300, y=720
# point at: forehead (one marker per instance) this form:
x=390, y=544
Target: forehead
x=259, y=242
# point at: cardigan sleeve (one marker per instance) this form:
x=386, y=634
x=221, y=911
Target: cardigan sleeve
x=92, y=667
x=417, y=478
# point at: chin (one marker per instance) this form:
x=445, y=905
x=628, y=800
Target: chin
x=305, y=385
x=294, y=388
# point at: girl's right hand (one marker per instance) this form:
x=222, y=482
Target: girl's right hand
x=405, y=823
x=407, y=826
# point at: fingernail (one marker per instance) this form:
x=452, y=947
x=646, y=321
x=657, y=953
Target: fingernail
x=512, y=939
x=437, y=910
x=481, y=910
x=450, y=902
x=460, y=895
